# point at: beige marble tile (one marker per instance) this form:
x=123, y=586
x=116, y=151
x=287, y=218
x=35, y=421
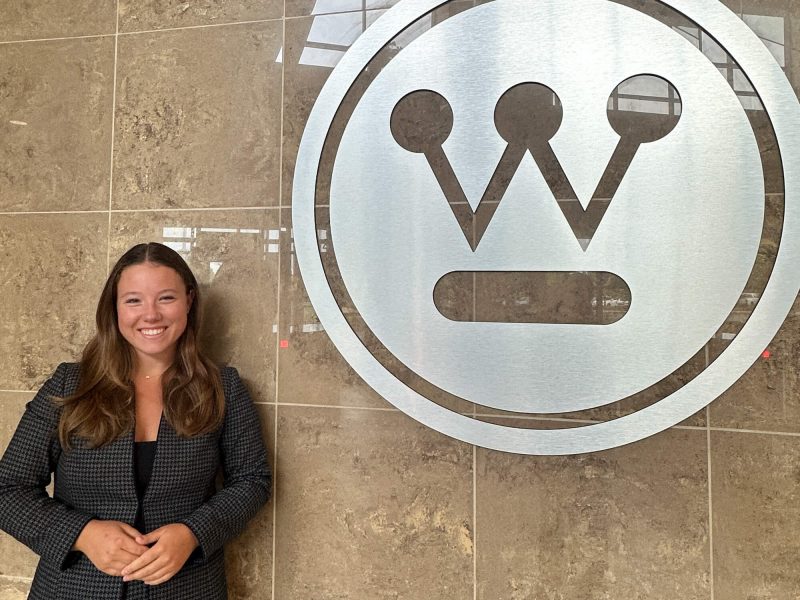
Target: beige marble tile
x=769, y=150
x=198, y=118
x=14, y=589
x=55, y=100
x=37, y=19
x=232, y=257
x=734, y=5
x=12, y=405
x=53, y=270
x=248, y=557
x=371, y=505
x=312, y=371
x=16, y=560
x=755, y=486
x=767, y=396
x=139, y=15
x=626, y=523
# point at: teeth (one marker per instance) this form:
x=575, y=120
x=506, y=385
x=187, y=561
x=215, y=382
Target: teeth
x=152, y=331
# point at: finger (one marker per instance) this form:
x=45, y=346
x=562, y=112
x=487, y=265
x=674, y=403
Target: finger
x=160, y=576
x=130, y=546
x=146, y=570
x=144, y=560
x=117, y=566
x=150, y=538
x=123, y=558
x=131, y=531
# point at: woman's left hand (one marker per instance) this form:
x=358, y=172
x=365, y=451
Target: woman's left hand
x=171, y=547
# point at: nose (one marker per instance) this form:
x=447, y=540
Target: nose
x=151, y=312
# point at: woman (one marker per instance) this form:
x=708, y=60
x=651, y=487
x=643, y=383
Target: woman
x=135, y=434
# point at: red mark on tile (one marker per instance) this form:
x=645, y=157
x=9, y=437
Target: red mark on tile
x=766, y=354
x=284, y=343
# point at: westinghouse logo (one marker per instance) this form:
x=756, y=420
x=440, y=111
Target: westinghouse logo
x=546, y=145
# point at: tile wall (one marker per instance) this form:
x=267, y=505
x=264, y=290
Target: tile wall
x=124, y=121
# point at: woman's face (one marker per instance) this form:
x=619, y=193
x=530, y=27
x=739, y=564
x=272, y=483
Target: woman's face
x=152, y=308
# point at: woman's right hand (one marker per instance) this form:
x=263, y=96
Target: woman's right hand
x=110, y=545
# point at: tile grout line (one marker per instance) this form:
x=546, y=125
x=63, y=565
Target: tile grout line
x=755, y=431
x=553, y=419
x=136, y=210
x=92, y=36
x=710, y=504
x=474, y=523
x=342, y=12
x=708, y=485
x=189, y=209
x=111, y=160
x=12, y=213
x=206, y=26
x=278, y=309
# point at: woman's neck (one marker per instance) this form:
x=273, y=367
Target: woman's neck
x=150, y=368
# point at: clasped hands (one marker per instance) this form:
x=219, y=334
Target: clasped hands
x=118, y=549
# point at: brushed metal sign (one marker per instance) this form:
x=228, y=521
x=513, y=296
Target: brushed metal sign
x=673, y=211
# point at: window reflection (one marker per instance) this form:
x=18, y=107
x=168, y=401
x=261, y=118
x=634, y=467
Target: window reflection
x=646, y=94
x=331, y=35
x=187, y=241
x=770, y=29
x=337, y=24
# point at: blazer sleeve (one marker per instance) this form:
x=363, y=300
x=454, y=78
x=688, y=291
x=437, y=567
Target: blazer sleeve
x=27, y=512
x=247, y=479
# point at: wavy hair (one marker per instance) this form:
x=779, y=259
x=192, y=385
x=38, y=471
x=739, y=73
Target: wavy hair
x=102, y=408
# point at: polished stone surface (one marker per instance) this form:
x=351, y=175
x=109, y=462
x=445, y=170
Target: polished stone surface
x=248, y=557
x=371, y=505
x=301, y=8
x=194, y=128
x=767, y=397
x=311, y=370
x=13, y=588
x=626, y=523
x=139, y=15
x=55, y=102
x=302, y=83
x=755, y=489
x=59, y=258
x=235, y=259
x=15, y=559
x=38, y=19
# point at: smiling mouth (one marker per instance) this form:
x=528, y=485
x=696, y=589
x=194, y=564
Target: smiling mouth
x=152, y=332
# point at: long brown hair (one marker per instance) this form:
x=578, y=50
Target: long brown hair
x=102, y=408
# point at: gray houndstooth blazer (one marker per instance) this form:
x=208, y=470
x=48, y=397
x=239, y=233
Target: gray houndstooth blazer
x=99, y=484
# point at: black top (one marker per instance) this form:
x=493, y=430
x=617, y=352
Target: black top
x=144, y=453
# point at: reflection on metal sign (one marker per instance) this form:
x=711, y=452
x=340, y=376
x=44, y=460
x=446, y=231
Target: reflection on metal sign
x=498, y=148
